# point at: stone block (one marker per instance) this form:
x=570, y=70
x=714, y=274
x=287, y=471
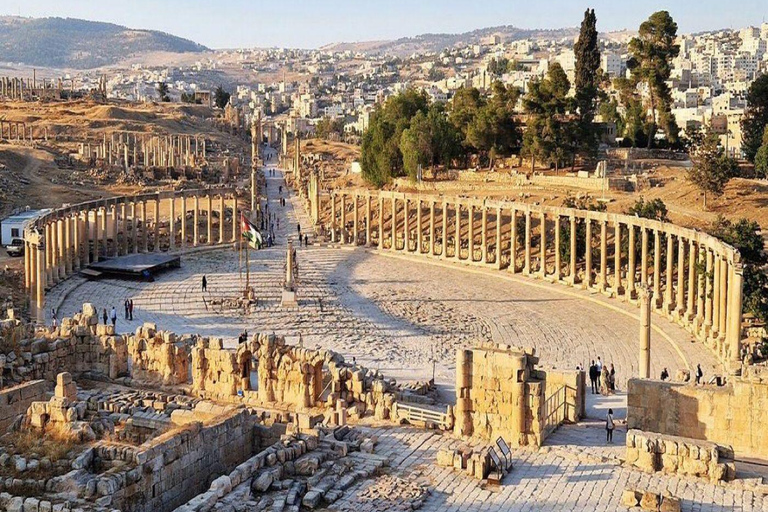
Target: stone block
x=630, y=498
x=669, y=504
x=650, y=501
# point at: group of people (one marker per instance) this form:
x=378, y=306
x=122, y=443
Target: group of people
x=128, y=309
x=602, y=378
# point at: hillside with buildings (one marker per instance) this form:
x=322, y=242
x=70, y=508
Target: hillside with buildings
x=80, y=44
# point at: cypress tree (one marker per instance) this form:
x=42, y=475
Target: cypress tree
x=586, y=81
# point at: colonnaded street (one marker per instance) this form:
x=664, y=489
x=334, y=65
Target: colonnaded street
x=393, y=313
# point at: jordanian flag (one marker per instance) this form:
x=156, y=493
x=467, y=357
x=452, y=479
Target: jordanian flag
x=250, y=233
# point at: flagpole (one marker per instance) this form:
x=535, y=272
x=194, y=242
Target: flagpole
x=247, y=269
x=240, y=258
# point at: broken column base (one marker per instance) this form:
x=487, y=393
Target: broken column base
x=288, y=300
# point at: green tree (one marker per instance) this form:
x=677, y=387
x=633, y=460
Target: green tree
x=655, y=209
x=162, y=92
x=380, y=158
x=761, y=157
x=634, y=128
x=755, y=120
x=745, y=235
x=221, y=97
x=499, y=66
x=652, y=52
x=587, y=84
x=326, y=127
x=416, y=145
x=711, y=169
x=446, y=139
x=464, y=106
x=493, y=130
x=549, y=135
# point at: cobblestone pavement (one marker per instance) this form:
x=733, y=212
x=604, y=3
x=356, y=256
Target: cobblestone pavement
x=571, y=473
x=397, y=314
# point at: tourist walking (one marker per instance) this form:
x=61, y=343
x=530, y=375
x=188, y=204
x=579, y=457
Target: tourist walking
x=205, y=284
x=127, y=306
x=298, y=228
x=113, y=316
x=609, y=426
x=306, y=240
x=130, y=310
x=104, y=315
x=699, y=374
x=593, y=376
x=612, y=380
x=604, y=382
x=599, y=365
x=664, y=374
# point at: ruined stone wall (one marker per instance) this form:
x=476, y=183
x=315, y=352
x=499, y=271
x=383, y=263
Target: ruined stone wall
x=574, y=394
x=494, y=395
x=17, y=399
x=180, y=464
x=159, y=357
x=732, y=415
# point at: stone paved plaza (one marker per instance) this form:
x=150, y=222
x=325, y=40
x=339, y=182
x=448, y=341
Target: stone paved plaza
x=397, y=314
x=573, y=472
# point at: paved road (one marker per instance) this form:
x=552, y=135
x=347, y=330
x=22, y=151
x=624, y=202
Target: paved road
x=396, y=314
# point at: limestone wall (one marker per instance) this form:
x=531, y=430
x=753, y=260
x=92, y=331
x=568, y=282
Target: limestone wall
x=572, y=385
x=159, y=356
x=679, y=455
x=17, y=399
x=180, y=464
x=732, y=415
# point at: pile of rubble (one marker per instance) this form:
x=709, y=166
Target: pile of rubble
x=387, y=494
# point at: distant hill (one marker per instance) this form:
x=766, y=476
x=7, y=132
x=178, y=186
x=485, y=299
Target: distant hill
x=80, y=44
x=437, y=42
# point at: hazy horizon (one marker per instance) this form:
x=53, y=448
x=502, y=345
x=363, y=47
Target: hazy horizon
x=297, y=24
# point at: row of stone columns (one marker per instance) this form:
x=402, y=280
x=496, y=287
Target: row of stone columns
x=70, y=239
x=693, y=278
x=18, y=131
x=125, y=149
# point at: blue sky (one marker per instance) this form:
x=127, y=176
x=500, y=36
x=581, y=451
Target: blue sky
x=312, y=23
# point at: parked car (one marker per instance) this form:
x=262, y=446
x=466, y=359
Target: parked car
x=16, y=247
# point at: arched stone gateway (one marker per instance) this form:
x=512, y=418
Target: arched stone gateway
x=695, y=279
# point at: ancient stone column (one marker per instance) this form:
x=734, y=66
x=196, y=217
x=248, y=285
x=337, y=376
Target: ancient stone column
x=235, y=217
x=144, y=226
x=691, y=280
x=333, y=217
x=631, y=263
x=457, y=240
x=572, y=263
x=59, y=245
x=645, y=332
x=617, y=258
x=734, y=314
x=724, y=269
x=172, y=222
x=196, y=220
x=656, y=269
x=527, y=267
x=355, y=220
x=122, y=244
x=104, y=231
x=484, y=235
x=588, y=255
x=701, y=288
x=40, y=283
x=432, y=228
x=221, y=218
x=444, y=220
x=498, y=238
x=47, y=247
x=183, y=222
x=543, y=245
x=471, y=232
x=68, y=244
x=643, y=255
x=76, y=240
x=708, y=293
x=669, y=304
x=209, y=239
x=603, y=255
x=393, y=225
x=419, y=234
x=368, y=220
x=715, y=300
x=513, y=241
x=558, y=262
x=115, y=248
x=134, y=228
x=28, y=279
x=381, y=222
x=680, y=292
x=156, y=220
x=343, y=208
x=86, y=238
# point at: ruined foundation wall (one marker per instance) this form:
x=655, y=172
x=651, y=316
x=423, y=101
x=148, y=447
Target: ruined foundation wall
x=732, y=415
x=159, y=356
x=179, y=465
x=17, y=399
